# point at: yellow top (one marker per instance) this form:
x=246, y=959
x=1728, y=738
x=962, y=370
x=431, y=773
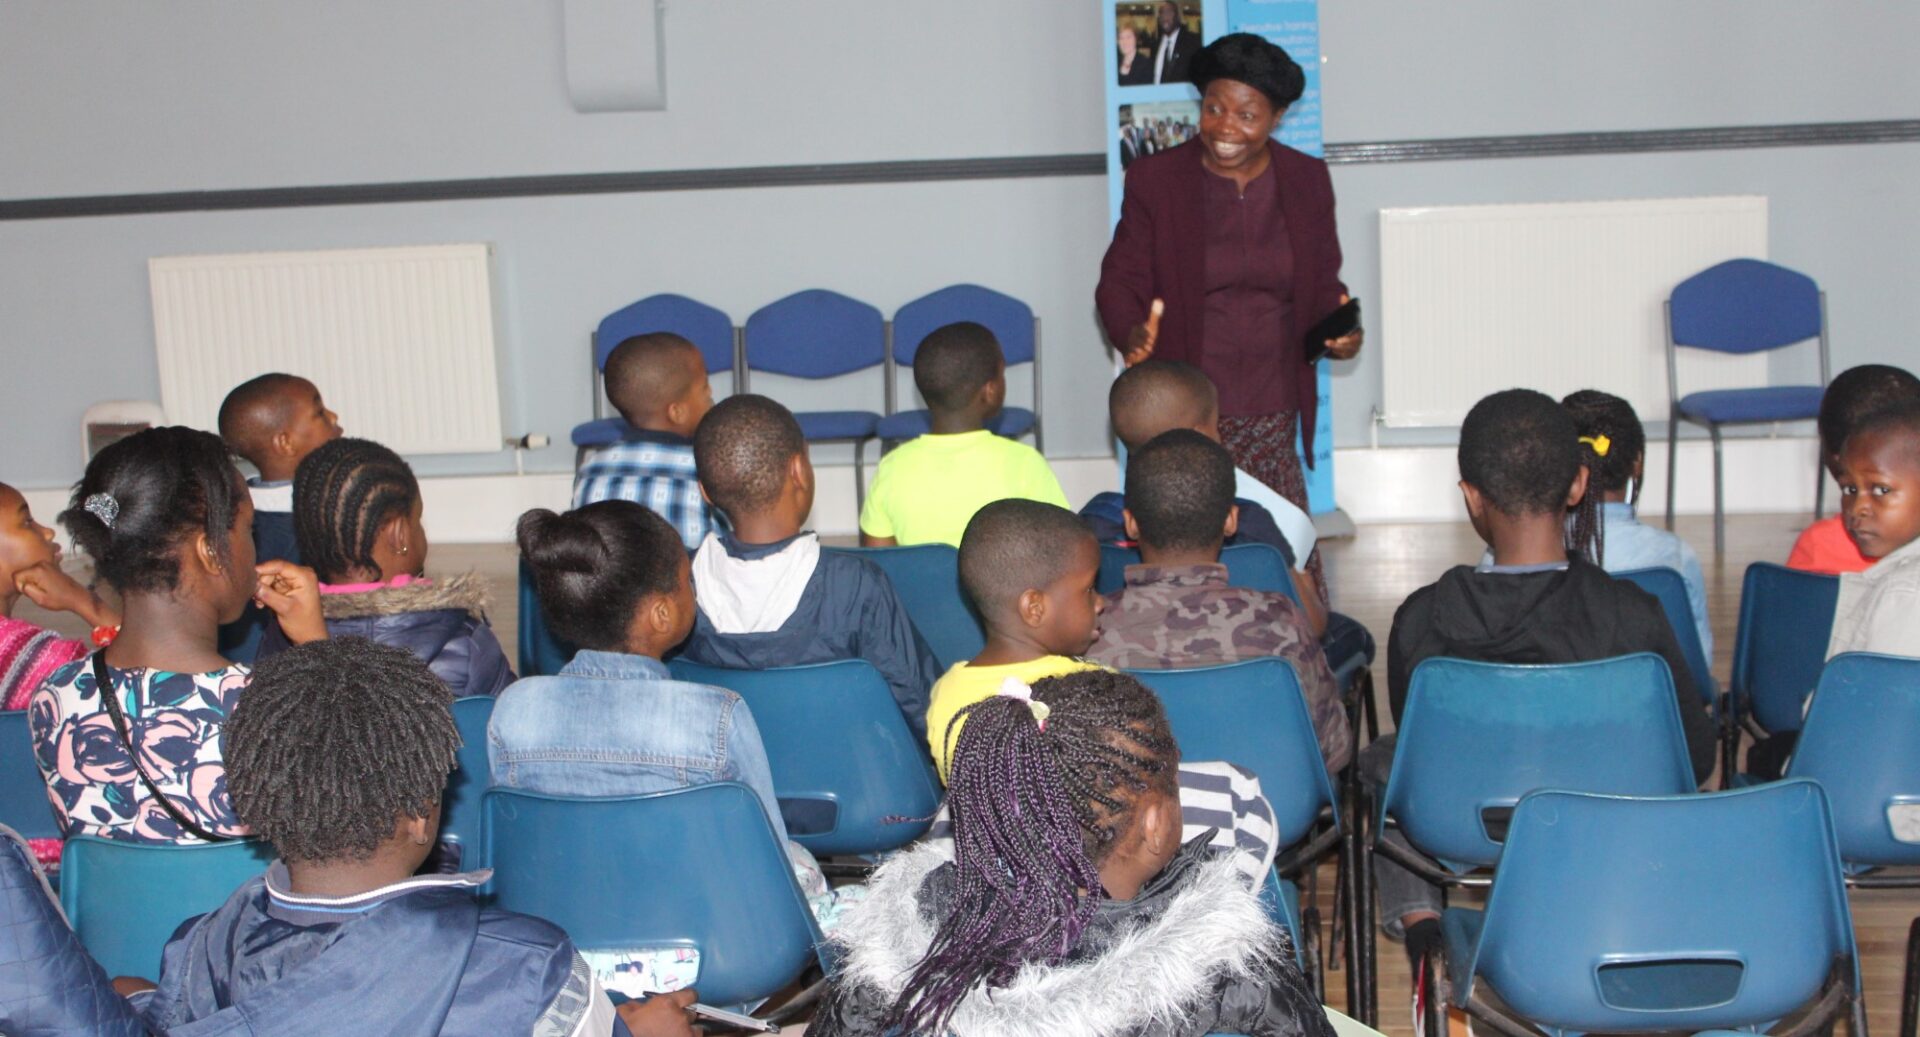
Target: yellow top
x=928, y=487
x=966, y=684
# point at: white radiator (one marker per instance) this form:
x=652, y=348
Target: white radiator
x=399, y=340
x=1558, y=297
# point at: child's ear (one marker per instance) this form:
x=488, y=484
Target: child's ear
x=1471, y=495
x=659, y=612
x=800, y=470
x=1132, y=527
x=281, y=443
x=419, y=830
x=705, y=498
x=1160, y=823
x=995, y=391
x=1233, y=522
x=398, y=533
x=1032, y=606
x=208, y=558
x=1578, y=491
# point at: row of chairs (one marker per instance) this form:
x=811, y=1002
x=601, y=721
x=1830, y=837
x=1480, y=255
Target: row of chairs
x=818, y=334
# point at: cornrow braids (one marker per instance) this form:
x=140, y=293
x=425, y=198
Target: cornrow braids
x=342, y=494
x=1612, y=443
x=333, y=742
x=1036, y=808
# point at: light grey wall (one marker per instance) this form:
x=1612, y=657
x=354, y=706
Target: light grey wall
x=102, y=97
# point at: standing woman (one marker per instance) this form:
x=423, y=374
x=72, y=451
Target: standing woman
x=1226, y=254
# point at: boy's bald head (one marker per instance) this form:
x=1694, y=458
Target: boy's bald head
x=1159, y=396
x=646, y=374
x=274, y=421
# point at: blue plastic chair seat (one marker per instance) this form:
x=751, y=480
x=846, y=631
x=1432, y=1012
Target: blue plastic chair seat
x=541, y=653
x=126, y=899
x=1670, y=588
x=1781, y=644
x=1861, y=742
x=602, y=432
x=1733, y=406
x=460, y=807
x=1011, y=422
x=1258, y=567
x=926, y=578
x=23, y=792
x=837, y=424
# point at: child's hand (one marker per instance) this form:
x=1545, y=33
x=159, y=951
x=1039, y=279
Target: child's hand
x=293, y=593
x=662, y=1015
x=49, y=587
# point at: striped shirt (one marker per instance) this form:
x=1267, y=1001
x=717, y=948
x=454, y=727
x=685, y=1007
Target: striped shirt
x=650, y=468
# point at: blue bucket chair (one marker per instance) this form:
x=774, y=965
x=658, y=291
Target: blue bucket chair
x=1786, y=617
x=1012, y=323
x=460, y=808
x=710, y=330
x=697, y=868
x=843, y=759
x=1742, y=306
x=1253, y=714
x=1680, y=913
x=126, y=899
x=23, y=792
x=1477, y=736
x=542, y=653
x=816, y=334
x=1259, y=567
x=927, y=579
x=1671, y=589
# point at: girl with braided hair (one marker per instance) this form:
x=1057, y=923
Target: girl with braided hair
x=357, y=518
x=1605, y=526
x=1065, y=904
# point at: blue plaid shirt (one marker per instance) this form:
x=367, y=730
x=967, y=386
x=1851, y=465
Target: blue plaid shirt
x=650, y=468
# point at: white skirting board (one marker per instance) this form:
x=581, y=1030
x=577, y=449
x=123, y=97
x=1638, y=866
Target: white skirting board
x=1405, y=484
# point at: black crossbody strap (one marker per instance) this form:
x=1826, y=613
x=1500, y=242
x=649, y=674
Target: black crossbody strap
x=112, y=701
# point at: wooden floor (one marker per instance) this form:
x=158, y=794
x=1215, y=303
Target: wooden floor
x=1370, y=575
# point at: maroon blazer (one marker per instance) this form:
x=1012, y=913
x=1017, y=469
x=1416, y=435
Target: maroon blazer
x=1159, y=251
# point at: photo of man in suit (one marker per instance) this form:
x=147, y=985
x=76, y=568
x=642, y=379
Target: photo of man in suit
x=1174, y=47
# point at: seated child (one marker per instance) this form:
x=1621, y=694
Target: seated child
x=357, y=512
x=338, y=755
x=273, y=421
x=927, y=488
x=1615, y=455
x=1880, y=503
x=1855, y=393
x=768, y=595
x=658, y=383
x=1066, y=902
x=165, y=517
x=614, y=721
x=30, y=565
x=1158, y=396
x=1029, y=569
x=1520, y=470
x=1177, y=611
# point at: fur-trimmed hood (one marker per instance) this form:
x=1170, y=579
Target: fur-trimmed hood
x=1194, y=948
x=466, y=592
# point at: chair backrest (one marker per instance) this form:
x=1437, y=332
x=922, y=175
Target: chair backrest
x=460, y=809
x=23, y=792
x=707, y=328
x=926, y=577
x=815, y=334
x=1668, y=586
x=842, y=756
x=1861, y=742
x=1478, y=736
x=541, y=653
x=698, y=867
x=1745, y=306
x=1786, y=618
x=1252, y=714
x=1259, y=567
x=1680, y=913
x=1010, y=320
x=125, y=899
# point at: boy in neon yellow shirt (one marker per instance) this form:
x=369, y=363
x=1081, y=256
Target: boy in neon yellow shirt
x=927, y=488
x=1029, y=568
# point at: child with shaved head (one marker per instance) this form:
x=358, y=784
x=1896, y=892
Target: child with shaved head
x=1880, y=504
x=658, y=383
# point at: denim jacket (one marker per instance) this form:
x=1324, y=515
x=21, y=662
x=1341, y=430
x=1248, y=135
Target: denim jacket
x=610, y=724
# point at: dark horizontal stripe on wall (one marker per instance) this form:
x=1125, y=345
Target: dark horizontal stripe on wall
x=1024, y=167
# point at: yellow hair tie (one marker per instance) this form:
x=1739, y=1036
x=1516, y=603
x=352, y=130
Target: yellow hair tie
x=1600, y=444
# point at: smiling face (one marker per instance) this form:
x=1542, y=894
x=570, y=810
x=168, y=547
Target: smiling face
x=1129, y=43
x=1235, y=122
x=24, y=543
x=1169, y=17
x=1880, y=491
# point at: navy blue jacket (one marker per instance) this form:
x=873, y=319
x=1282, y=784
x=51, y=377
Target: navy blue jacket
x=1103, y=513
x=272, y=539
x=443, y=622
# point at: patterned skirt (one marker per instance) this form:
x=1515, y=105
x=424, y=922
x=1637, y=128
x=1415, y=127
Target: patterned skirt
x=1263, y=446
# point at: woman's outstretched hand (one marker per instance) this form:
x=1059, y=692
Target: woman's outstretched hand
x=1140, y=343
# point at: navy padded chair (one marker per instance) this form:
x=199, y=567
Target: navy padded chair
x=460, y=808
x=710, y=330
x=1786, y=619
x=697, y=867
x=1742, y=306
x=1259, y=567
x=818, y=334
x=126, y=899
x=1684, y=913
x=927, y=579
x=835, y=801
x=1010, y=320
x=541, y=652
x=1668, y=586
x=23, y=792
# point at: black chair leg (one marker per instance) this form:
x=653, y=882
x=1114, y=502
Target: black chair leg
x=1366, y=935
x=1910, y=984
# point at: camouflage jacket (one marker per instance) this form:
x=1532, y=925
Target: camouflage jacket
x=1177, y=617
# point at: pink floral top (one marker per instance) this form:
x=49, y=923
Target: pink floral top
x=175, y=720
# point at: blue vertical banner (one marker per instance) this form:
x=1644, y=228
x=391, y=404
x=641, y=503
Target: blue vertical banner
x=1149, y=110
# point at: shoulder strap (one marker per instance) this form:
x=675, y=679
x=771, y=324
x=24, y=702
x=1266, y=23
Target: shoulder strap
x=111, y=699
